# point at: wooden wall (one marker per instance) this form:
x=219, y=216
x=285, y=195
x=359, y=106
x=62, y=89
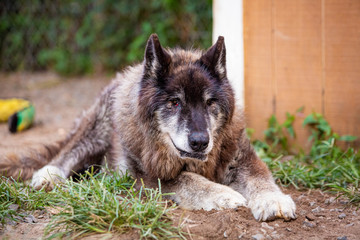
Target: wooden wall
x=302, y=53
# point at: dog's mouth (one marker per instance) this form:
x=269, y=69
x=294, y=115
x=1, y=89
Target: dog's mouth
x=195, y=155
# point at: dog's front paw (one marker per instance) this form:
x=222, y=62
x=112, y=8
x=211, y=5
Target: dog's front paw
x=47, y=177
x=271, y=205
x=224, y=197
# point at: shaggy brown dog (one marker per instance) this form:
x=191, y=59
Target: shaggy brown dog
x=174, y=118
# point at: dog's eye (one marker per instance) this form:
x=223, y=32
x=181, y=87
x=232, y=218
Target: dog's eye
x=174, y=102
x=210, y=101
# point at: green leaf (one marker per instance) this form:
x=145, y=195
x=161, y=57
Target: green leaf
x=348, y=138
x=309, y=120
x=272, y=121
x=289, y=120
x=291, y=131
x=250, y=132
x=300, y=109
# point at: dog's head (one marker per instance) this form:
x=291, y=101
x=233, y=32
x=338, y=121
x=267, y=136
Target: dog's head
x=186, y=96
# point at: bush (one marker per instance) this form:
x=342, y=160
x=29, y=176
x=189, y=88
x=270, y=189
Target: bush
x=77, y=37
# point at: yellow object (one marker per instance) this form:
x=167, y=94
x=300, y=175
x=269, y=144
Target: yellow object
x=10, y=106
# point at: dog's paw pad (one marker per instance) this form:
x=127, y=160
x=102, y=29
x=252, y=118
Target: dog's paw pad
x=47, y=177
x=271, y=205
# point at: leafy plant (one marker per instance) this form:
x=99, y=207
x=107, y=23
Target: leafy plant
x=326, y=166
x=276, y=132
x=79, y=37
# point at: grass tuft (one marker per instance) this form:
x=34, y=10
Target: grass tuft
x=16, y=193
x=104, y=202
x=108, y=202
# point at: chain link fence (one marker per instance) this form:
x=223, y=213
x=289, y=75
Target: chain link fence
x=78, y=37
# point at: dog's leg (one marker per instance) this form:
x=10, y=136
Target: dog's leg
x=87, y=144
x=251, y=177
x=193, y=191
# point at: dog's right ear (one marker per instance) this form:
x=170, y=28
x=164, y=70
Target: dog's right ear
x=156, y=60
x=214, y=59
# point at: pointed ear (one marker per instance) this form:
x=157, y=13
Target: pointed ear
x=156, y=60
x=214, y=59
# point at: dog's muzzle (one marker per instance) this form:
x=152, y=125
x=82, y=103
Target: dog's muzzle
x=195, y=155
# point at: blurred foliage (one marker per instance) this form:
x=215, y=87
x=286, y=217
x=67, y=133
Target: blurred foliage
x=326, y=165
x=77, y=37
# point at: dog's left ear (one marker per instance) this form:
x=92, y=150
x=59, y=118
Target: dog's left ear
x=214, y=59
x=157, y=60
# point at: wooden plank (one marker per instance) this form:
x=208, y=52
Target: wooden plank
x=258, y=74
x=298, y=61
x=342, y=65
x=302, y=53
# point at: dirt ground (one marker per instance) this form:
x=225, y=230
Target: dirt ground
x=58, y=101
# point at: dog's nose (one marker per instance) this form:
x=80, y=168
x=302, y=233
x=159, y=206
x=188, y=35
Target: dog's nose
x=198, y=141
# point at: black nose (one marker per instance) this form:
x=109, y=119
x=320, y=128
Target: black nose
x=198, y=141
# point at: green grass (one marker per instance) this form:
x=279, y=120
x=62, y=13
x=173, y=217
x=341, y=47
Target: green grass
x=16, y=193
x=97, y=203
x=325, y=166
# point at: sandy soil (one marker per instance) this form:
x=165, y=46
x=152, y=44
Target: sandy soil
x=58, y=101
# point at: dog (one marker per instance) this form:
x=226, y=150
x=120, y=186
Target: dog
x=171, y=118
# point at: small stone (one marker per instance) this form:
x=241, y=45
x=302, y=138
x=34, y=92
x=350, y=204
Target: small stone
x=39, y=213
x=241, y=235
x=342, y=216
x=342, y=238
x=329, y=200
x=34, y=219
x=349, y=225
x=310, y=216
x=275, y=235
x=30, y=219
x=10, y=222
x=354, y=213
x=265, y=225
x=312, y=204
x=288, y=229
x=276, y=225
x=309, y=224
x=227, y=233
x=258, y=236
x=344, y=202
x=300, y=197
x=263, y=231
x=317, y=209
x=14, y=207
x=302, y=212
